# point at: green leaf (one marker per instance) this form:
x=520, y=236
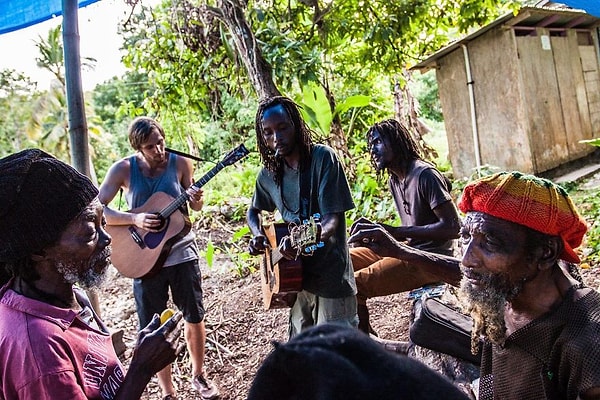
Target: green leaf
x=315, y=102
x=237, y=235
x=210, y=253
x=352, y=101
x=593, y=142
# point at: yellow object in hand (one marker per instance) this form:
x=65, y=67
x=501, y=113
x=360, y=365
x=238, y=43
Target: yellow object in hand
x=166, y=314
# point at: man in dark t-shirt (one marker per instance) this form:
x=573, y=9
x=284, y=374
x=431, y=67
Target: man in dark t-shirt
x=428, y=215
x=300, y=179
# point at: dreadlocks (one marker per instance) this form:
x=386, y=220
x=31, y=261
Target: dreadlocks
x=22, y=268
x=303, y=136
x=399, y=138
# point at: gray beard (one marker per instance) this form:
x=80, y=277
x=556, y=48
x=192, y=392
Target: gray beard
x=84, y=273
x=487, y=306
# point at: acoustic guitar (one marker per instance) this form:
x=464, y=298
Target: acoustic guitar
x=281, y=278
x=138, y=253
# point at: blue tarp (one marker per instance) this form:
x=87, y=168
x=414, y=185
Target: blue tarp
x=589, y=6
x=19, y=14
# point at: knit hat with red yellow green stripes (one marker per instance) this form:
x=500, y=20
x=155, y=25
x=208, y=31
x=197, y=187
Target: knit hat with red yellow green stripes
x=527, y=200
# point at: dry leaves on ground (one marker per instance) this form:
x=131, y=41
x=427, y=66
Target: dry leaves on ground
x=240, y=331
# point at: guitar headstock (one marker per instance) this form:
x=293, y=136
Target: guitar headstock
x=235, y=155
x=307, y=236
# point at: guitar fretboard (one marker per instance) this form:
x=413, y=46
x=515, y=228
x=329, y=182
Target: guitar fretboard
x=276, y=256
x=183, y=197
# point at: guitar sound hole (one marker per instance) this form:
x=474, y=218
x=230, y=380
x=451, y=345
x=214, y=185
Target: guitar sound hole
x=163, y=222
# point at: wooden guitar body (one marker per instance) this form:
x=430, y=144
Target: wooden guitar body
x=139, y=253
x=281, y=278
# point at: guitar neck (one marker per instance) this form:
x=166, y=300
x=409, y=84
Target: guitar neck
x=276, y=256
x=183, y=197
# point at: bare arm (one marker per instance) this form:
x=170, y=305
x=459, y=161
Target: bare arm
x=446, y=228
x=116, y=178
x=381, y=242
x=186, y=170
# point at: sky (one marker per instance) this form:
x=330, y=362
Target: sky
x=98, y=24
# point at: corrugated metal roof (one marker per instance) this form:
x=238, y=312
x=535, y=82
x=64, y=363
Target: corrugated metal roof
x=527, y=17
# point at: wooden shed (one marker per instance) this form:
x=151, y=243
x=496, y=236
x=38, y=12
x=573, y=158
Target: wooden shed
x=521, y=92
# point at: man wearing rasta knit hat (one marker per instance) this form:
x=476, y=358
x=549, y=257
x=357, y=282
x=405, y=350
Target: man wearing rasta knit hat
x=530, y=201
x=540, y=325
x=51, y=237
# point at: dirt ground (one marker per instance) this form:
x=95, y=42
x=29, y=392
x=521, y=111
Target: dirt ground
x=240, y=331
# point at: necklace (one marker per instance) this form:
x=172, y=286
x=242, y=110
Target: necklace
x=402, y=188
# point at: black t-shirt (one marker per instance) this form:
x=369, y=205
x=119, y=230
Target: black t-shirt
x=328, y=272
x=423, y=189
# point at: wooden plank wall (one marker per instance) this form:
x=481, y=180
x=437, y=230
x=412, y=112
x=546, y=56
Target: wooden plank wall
x=542, y=102
x=589, y=62
x=572, y=92
x=533, y=103
x=501, y=117
x=454, y=97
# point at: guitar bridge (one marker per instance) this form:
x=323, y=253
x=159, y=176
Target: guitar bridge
x=136, y=237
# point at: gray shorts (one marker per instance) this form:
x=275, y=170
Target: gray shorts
x=310, y=309
x=185, y=282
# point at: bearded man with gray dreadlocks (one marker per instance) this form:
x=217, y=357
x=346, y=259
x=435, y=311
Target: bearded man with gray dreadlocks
x=540, y=326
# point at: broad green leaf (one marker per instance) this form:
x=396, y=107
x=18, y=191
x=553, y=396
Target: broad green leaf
x=315, y=100
x=352, y=101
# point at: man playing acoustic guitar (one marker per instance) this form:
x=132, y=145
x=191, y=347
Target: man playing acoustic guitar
x=300, y=179
x=149, y=171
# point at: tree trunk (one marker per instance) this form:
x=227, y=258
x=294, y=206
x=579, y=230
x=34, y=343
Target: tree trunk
x=231, y=13
x=337, y=137
x=406, y=108
x=80, y=153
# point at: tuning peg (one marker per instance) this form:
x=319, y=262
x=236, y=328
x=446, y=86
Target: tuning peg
x=310, y=249
x=314, y=247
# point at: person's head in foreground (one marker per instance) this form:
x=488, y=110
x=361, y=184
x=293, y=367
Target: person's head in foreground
x=516, y=229
x=50, y=220
x=331, y=362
